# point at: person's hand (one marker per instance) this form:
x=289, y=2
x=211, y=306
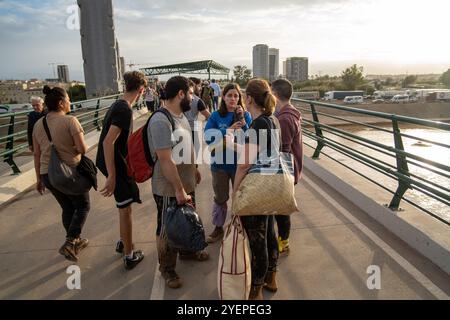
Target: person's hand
x=198, y=176
x=237, y=125
x=110, y=185
x=182, y=197
x=31, y=149
x=40, y=187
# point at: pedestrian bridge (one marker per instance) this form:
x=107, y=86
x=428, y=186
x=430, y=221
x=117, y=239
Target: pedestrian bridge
x=345, y=243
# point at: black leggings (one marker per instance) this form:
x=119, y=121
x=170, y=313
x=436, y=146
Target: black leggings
x=75, y=209
x=263, y=244
x=284, y=226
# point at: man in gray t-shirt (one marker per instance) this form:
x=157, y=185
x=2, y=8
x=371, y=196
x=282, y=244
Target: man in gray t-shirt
x=175, y=174
x=160, y=136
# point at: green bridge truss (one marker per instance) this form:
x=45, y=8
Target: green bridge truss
x=208, y=67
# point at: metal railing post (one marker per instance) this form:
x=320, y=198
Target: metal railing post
x=96, y=123
x=402, y=167
x=9, y=146
x=319, y=134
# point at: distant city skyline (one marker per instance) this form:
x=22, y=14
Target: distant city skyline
x=333, y=34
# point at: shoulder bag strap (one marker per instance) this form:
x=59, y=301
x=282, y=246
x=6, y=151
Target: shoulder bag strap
x=47, y=130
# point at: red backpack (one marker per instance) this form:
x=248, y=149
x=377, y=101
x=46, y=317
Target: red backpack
x=139, y=159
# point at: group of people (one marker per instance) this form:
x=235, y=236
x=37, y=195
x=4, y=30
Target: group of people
x=174, y=182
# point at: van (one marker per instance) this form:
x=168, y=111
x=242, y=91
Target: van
x=400, y=98
x=353, y=99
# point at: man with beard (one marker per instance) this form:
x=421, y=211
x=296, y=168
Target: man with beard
x=174, y=175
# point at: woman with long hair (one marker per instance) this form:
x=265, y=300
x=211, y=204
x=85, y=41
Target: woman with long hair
x=259, y=228
x=68, y=139
x=231, y=115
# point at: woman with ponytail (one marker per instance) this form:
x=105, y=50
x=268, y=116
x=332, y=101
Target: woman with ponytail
x=260, y=228
x=68, y=138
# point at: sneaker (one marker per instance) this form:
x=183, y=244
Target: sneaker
x=68, y=250
x=283, y=246
x=216, y=235
x=120, y=247
x=80, y=244
x=130, y=263
x=172, y=279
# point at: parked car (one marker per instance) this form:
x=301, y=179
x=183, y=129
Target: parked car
x=378, y=101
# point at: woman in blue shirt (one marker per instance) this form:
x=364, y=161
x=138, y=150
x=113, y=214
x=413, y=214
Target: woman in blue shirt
x=230, y=116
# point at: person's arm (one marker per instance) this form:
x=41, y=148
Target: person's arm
x=203, y=110
x=108, y=150
x=210, y=124
x=30, y=133
x=37, y=167
x=170, y=172
x=287, y=134
x=243, y=168
x=80, y=143
x=206, y=113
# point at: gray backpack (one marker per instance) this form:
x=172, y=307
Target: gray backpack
x=64, y=178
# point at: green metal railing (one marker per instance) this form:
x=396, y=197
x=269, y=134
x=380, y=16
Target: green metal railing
x=90, y=113
x=391, y=161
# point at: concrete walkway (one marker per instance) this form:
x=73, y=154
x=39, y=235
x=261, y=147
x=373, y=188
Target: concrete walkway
x=333, y=244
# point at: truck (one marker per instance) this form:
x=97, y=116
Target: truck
x=387, y=94
x=340, y=95
x=306, y=95
x=443, y=96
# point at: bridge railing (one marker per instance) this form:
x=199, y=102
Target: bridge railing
x=13, y=126
x=408, y=170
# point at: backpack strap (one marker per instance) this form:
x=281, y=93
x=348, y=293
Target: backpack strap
x=147, y=152
x=47, y=130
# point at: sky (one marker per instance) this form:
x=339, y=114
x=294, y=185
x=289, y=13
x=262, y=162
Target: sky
x=383, y=36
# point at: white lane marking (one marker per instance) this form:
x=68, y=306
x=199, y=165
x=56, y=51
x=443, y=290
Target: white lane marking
x=413, y=271
x=159, y=285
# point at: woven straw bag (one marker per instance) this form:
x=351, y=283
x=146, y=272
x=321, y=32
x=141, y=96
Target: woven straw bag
x=267, y=189
x=234, y=270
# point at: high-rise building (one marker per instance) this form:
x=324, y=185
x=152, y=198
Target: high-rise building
x=63, y=74
x=122, y=66
x=297, y=69
x=261, y=61
x=99, y=47
x=274, y=64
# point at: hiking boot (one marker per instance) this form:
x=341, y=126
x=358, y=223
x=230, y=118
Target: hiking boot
x=173, y=281
x=80, y=244
x=201, y=255
x=271, y=281
x=68, y=250
x=216, y=235
x=120, y=247
x=283, y=246
x=256, y=293
x=130, y=263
